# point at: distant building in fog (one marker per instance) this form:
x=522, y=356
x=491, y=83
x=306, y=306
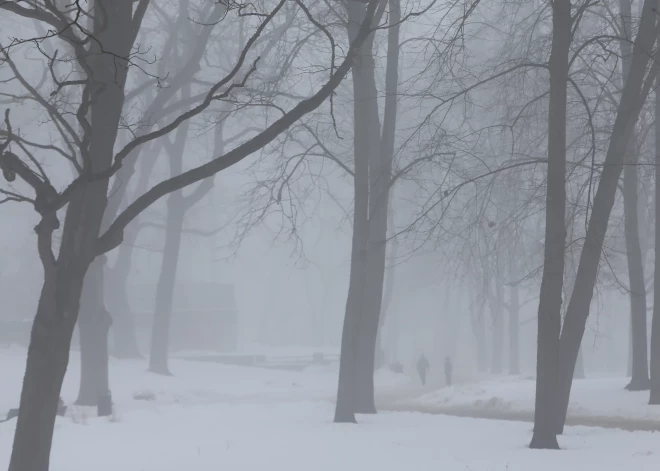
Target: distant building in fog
x=204, y=315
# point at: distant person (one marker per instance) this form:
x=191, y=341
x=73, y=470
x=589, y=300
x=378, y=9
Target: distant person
x=423, y=368
x=448, y=370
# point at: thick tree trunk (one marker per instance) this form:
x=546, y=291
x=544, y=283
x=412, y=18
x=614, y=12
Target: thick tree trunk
x=48, y=356
x=366, y=97
x=497, y=357
x=497, y=364
x=629, y=363
x=479, y=325
x=93, y=326
x=348, y=370
x=379, y=153
x=57, y=312
x=640, y=368
x=579, y=366
x=388, y=290
x=158, y=359
x=345, y=406
x=514, y=330
x=654, y=397
x=124, y=335
x=550, y=299
x=633, y=96
x=380, y=179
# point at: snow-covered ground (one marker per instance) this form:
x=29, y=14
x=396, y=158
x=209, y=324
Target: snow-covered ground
x=216, y=417
x=601, y=397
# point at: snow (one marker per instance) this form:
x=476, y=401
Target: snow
x=215, y=417
x=592, y=397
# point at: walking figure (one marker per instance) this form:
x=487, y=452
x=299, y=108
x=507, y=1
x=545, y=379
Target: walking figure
x=448, y=371
x=422, y=368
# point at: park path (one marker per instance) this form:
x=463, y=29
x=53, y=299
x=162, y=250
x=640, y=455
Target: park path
x=405, y=398
x=407, y=401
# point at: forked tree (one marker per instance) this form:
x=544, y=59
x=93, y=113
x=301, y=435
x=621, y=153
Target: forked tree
x=104, y=54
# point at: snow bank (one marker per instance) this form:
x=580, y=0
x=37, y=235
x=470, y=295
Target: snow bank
x=603, y=397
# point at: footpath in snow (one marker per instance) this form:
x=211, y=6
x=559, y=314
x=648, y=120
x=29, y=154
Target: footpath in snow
x=211, y=417
x=596, y=401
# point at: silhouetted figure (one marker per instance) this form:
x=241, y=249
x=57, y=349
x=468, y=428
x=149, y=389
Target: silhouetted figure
x=448, y=370
x=422, y=368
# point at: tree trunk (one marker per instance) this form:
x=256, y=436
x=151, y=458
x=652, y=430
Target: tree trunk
x=497, y=356
x=629, y=363
x=48, y=356
x=479, y=324
x=346, y=389
x=378, y=153
x=388, y=289
x=158, y=359
x=550, y=299
x=654, y=397
x=640, y=368
x=633, y=96
x=514, y=330
x=177, y=206
x=366, y=96
x=579, y=366
x=498, y=345
x=124, y=334
x=57, y=312
x=380, y=180
x=93, y=326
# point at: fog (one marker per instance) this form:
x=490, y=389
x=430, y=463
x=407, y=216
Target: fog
x=364, y=234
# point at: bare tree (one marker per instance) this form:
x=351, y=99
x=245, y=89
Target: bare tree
x=105, y=54
x=655, y=326
x=640, y=369
x=636, y=89
x=549, y=317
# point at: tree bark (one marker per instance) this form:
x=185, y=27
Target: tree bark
x=380, y=180
x=124, y=335
x=579, y=366
x=550, y=299
x=47, y=361
x=158, y=359
x=376, y=153
x=634, y=93
x=639, y=367
x=514, y=330
x=479, y=325
x=654, y=396
x=348, y=370
x=497, y=357
x=388, y=290
x=94, y=324
x=639, y=347
x=57, y=312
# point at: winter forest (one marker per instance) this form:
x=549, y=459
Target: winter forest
x=329, y=235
